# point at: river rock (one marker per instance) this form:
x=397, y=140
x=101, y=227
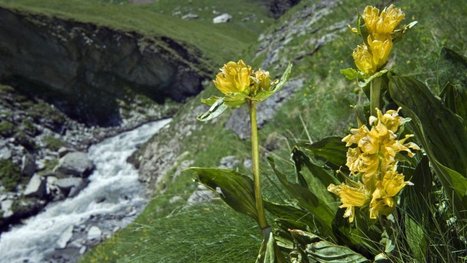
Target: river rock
x=65, y=237
x=71, y=186
x=5, y=153
x=28, y=165
x=94, y=233
x=224, y=18
x=75, y=164
x=36, y=187
x=6, y=208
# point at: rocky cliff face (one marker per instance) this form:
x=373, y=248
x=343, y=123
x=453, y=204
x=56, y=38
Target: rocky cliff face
x=85, y=69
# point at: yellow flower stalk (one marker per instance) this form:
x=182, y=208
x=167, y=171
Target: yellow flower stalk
x=384, y=22
x=372, y=159
x=234, y=77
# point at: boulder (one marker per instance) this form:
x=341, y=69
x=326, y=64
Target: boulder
x=65, y=237
x=75, y=164
x=229, y=162
x=224, y=18
x=28, y=165
x=36, y=187
x=6, y=206
x=94, y=233
x=70, y=186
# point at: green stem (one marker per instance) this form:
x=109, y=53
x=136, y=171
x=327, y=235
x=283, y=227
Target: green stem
x=256, y=175
x=375, y=95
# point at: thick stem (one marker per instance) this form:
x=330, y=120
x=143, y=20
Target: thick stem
x=256, y=175
x=375, y=95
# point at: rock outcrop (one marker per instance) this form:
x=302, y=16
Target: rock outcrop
x=85, y=69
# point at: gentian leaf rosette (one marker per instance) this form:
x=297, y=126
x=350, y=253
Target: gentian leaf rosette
x=239, y=84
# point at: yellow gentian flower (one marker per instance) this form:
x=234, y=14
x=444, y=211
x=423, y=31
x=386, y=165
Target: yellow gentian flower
x=382, y=202
x=234, y=77
x=380, y=50
x=262, y=81
x=364, y=60
x=384, y=22
x=351, y=197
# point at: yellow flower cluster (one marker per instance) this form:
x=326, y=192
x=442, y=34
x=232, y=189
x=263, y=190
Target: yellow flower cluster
x=238, y=78
x=372, y=55
x=373, y=161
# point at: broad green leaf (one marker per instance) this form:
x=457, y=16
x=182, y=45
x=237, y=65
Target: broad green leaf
x=455, y=98
x=216, y=109
x=417, y=199
x=316, y=178
x=321, y=211
x=320, y=250
x=441, y=132
x=329, y=149
x=234, y=188
x=297, y=216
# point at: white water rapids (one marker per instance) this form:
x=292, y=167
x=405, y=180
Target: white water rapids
x=113, y=189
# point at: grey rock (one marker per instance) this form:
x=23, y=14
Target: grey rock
x=62, y=56
x=75, y=164
x=229, y=162
x=224, y=18
x=94, y=233
x=36, y=187
x=63, y=151
x=82, y=250
x=65, y=237
x=71, y=186
x=247, y=163
x=190, y=16
x=6, y=208
x=5, y=153
x=201, y=195
x=28, y=165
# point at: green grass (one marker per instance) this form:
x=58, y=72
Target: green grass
x=216, y=42
x=166, y=232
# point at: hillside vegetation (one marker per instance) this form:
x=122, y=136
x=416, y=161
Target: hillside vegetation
x=317, y=43
x=169, y=231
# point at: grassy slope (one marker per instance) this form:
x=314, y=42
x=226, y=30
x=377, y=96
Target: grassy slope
x=217, y=42
x=166, y=232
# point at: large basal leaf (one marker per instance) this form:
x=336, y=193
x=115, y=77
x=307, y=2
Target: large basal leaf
x=455, y=98
x=325, y=176
x=298, y=217
x=316, y=206
x=441, y=133
x=329, y=149
x=319, y=250
x=234, y=188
